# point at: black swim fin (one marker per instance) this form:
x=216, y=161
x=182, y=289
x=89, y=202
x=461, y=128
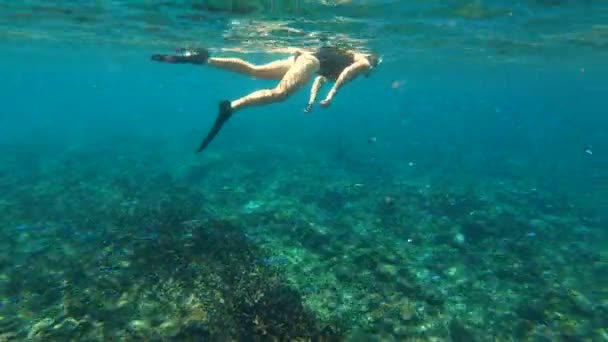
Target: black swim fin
x=223, y=116
x=184, y=56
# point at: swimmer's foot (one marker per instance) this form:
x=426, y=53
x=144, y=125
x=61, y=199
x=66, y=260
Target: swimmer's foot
x=183, y=56
x=223, y=116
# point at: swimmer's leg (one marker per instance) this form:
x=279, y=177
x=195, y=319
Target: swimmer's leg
x=270, y=71
x=297, y=76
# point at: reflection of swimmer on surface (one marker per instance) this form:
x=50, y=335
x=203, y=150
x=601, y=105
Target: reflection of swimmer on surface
x=329, y=63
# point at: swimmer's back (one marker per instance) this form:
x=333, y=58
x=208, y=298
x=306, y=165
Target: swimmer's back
x=333, y=61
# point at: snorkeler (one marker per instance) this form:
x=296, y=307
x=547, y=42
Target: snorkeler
x=329, y=63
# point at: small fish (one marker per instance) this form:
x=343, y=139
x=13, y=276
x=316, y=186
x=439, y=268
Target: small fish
x=588, y=150
x=22, y=227
x=276, y=260
x=372, y=140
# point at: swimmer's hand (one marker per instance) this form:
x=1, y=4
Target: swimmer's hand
x=308, y=108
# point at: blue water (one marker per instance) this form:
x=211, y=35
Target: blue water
x=470, y=94
x=113, y=97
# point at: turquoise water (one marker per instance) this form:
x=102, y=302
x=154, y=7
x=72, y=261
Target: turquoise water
x=458, y=193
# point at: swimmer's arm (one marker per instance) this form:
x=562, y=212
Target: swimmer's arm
x=316, y=86
x=347, y=75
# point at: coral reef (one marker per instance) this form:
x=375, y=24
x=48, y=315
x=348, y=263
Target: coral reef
x=118, y=248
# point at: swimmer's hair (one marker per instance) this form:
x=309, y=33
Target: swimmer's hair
x=374, y=59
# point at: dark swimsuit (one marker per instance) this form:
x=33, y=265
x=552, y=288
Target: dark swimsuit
x=333, y=61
